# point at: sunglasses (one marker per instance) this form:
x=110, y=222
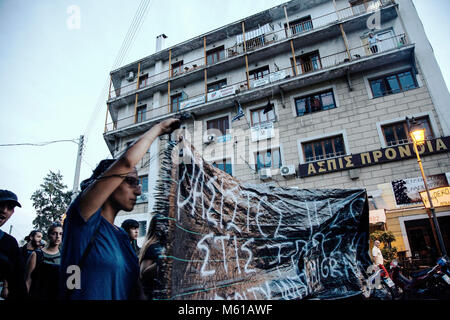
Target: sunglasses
x=132, y=181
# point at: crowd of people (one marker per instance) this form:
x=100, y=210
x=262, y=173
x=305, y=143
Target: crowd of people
x=87, y=257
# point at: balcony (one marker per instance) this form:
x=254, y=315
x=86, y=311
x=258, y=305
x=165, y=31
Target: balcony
x=339, y=64
x=257, y=43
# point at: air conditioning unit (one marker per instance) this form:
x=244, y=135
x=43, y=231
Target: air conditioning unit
x=130, y=76
x=287, y=170
x=209, y=138
x=265, y=173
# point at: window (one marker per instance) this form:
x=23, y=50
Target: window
x=177, y=68
x=143, y=181
x=397, y=133
x=215, y=55
x=262, y=115
x=175, y=101
x=307, y=62
x=268, y=159
x=300, y=25
x=323, y=149
x=314, y=103
x=141, y=113
x=221, y=124
x=224, y=165
x=143, y=81
x=142, y=228
x=217, y=85
x=394, y=83
x=259, y=73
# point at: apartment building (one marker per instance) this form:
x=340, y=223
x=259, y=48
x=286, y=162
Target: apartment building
x=308, y=94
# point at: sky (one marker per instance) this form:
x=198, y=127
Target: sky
x=54, y=68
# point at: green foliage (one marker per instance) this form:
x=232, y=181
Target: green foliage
x=50, y=201
x=386, y=237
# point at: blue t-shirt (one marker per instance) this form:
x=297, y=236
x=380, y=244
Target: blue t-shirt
x=111, y=269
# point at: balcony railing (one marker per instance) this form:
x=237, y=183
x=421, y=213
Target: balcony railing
x=260, y=41
x=302, y=69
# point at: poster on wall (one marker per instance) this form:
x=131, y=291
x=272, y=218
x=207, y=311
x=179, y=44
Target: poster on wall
x=407, y=191
x=223, y=239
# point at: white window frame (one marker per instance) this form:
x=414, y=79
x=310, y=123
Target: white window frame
x=249, y=110
x=252, y=156
x=311, y=92
x=226, y=114
x=390, y=71
x=301, y=141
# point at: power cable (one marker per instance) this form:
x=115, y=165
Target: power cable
x=136, y=24
x=37, y=144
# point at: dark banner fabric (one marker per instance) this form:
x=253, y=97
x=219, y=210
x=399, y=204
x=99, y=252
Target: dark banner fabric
x=223, y=239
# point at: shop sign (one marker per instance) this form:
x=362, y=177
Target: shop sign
x=370, y=158
x=439, y=196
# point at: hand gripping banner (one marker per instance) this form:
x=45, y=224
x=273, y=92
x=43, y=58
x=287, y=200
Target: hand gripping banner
x=223, y=239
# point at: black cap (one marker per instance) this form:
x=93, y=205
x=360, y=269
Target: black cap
x=6, y=195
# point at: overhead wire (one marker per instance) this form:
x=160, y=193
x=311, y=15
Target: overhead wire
x=136, y=24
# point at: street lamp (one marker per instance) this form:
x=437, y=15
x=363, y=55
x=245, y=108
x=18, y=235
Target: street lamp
x=418, y=136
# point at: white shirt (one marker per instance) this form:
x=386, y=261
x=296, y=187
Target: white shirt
x=377, y=256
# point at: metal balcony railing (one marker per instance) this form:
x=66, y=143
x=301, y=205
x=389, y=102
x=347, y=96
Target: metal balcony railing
x=307, y=67
x=258, y=42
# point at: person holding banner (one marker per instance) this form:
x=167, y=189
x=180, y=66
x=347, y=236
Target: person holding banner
x=97, y=260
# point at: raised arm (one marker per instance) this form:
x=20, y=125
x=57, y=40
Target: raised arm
x=98, y=192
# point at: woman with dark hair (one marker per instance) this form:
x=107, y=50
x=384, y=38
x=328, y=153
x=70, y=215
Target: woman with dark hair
x=131, y=227
x=42, y=269
x=148, y=259
x=97, y=261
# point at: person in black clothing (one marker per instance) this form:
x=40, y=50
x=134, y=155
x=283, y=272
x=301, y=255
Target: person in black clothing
x=42, y=268
x=131, y=227
x=34, y=240
x=11, y=262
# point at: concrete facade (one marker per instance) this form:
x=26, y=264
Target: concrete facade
x=346, y=68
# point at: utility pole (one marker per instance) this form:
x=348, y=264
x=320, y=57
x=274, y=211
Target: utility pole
x=76, y=179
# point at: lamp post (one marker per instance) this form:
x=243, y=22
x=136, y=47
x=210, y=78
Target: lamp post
x=418, y=136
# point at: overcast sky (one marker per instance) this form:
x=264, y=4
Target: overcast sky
x=53, y=73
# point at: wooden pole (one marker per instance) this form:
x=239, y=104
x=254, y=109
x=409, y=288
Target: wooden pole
x=136, y=98
x=168, y=96
x=245, y=57
x=294, y=58
x=109, y=91
x=287, y=22
x=170, y=63
x=292, y=43
x=344, y=36
x=206, y=72
x=106, y=118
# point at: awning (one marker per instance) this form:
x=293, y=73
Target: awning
x=377, y=216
